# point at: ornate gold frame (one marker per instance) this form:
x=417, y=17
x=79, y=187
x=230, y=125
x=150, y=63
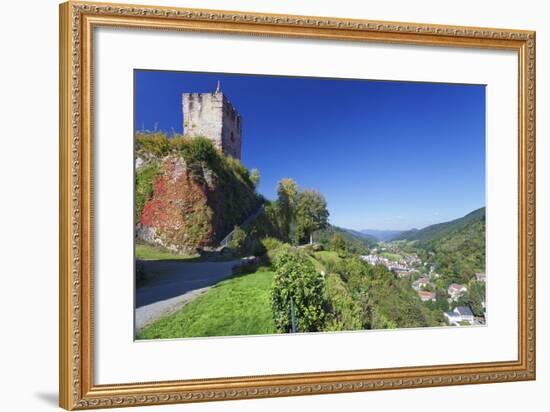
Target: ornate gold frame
x=76, y=386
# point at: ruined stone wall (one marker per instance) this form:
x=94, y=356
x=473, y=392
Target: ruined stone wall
x=211, y=115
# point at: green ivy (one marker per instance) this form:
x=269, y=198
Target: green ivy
x=145, y=178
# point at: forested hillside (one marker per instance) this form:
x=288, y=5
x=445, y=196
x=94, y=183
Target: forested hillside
x=435, y=232
x=457, y=248
x=355, y=242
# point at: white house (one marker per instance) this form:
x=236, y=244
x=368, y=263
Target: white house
x=460, y=314
x=481, y=277
x=456, y=290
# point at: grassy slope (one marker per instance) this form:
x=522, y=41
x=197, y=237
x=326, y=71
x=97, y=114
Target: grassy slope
x=237, y=306
x=323, y=258
x=146, y=252
x=327, y=255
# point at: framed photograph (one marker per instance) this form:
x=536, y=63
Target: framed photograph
x=258, y=205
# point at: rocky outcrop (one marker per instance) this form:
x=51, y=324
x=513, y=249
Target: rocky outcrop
x=193, y=206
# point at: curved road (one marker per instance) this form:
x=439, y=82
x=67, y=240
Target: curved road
x=175, y=283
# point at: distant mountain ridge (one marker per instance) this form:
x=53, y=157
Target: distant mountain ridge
x=381, y=235
x=439, y=230
x=360, y=234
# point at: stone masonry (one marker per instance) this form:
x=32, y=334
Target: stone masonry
x=212, y=115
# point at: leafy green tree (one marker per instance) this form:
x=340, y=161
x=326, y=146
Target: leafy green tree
x=296, y=278
x=345, y=311
x=255, y=177
x=476, y=295
x=311, y=214
x=287, y=191
x=338, y=243
x=238, y=239
x=441, y=302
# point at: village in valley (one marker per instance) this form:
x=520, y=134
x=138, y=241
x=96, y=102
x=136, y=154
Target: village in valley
x=422, y=277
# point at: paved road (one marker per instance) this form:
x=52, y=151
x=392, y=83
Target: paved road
x=175, y=283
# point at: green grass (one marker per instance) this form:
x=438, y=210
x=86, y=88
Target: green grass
x=238, y=306
x=328, y=255
x=146, y=252
x=324, y=257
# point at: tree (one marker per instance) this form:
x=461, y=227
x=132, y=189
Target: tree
x=255, y=177
x=238, y=239
x=311, y=214
x=338, y=243
x=287, y=191
x=296, y=278
x=476, y=295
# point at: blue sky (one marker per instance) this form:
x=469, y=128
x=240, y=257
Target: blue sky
x=386, y=155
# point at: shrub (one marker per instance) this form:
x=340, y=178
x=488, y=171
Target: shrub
x=270, y=243
x=346, y=312
x=198, y=149
x=296, y=278
x=179, y=143
x=274, y=248
x=239, y=169
x=156, y=144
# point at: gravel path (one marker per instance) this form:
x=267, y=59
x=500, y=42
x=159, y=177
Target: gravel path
x=174, y=284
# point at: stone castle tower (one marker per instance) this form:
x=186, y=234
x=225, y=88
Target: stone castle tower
x=213, y=116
